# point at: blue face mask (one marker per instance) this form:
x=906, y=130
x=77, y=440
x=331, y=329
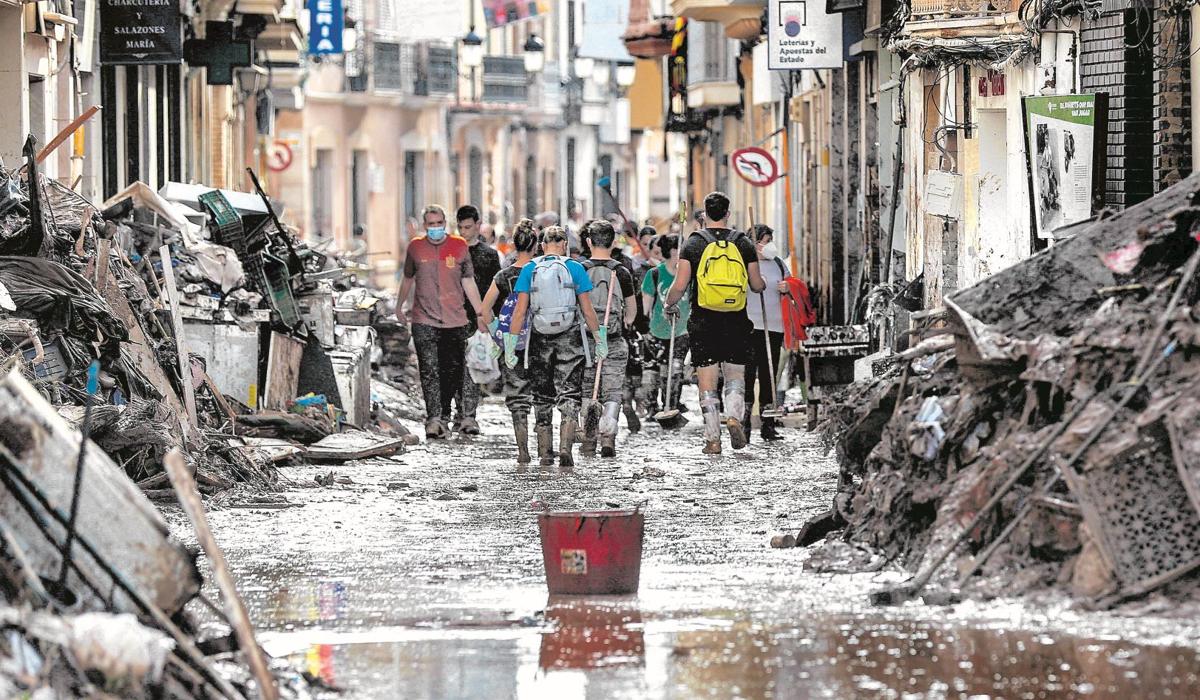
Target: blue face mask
x=436, y=234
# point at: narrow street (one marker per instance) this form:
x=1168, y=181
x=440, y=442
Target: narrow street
x=423, y=579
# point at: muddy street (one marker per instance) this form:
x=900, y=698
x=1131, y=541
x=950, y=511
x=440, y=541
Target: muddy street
x=420, y=576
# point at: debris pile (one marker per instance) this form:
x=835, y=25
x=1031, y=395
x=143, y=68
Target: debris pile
x=1039, y=432
x=92, y=610
x=212, y=325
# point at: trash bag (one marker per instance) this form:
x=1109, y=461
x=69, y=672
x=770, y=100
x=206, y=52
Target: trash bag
x=481, y=360
x=59, y=299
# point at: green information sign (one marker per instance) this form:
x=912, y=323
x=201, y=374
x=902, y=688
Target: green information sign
x=1065, y=145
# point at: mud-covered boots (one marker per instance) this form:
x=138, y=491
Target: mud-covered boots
x=566, y=443
x=770, y=429
x=545, y=444
x=587, y=436
x=521, y=434
x=608, y=445
x=631, y=416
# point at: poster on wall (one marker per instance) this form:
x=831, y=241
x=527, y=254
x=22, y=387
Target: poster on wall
x=803, y=34
x=140, y=32
x=498, y=13
x=1066, y=168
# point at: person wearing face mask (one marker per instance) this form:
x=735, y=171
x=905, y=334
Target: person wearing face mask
x=440, y=278
x=774, y=273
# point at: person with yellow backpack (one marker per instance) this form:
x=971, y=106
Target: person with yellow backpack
x=723, y=265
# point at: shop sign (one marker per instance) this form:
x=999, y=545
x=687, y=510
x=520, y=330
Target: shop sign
x=140, y=32
x=325, y=25
x=803, y=34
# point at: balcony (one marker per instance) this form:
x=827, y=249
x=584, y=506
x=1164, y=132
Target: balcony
x=741, y=19
x=423, y=70
x=978, y=17
x=712, y=67
x=505, y=80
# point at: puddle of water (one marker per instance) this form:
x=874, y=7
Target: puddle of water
x=582, y=649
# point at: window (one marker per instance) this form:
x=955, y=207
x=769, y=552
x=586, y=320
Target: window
x=531, y=187
x=412, y=184
x=322, y=194
x=388, y=72
x=360, y=165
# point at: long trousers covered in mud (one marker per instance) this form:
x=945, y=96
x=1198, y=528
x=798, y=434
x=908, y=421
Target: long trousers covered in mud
x=518, y=390
x=655, y=368
x=441, y=356
x=612, y=385
x=556, y=372
x=468, y=397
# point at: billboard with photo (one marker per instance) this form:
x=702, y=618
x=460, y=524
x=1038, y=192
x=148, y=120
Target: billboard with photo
x=1065, y=138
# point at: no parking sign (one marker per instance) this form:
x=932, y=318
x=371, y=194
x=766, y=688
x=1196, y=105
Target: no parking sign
x=755, y=165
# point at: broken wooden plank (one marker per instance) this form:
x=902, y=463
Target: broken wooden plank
x=142, y=354
x=185, y=366
x=277, y=424
x=354, y=444
x=189, y=498
x=283, y=371
x=42, y=447
x=274, y=450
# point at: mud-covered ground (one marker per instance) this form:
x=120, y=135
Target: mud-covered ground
x=423, y=578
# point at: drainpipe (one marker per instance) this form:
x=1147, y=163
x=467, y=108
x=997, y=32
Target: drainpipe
x=1194, y=45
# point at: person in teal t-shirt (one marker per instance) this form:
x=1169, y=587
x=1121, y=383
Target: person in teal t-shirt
x=654, y=293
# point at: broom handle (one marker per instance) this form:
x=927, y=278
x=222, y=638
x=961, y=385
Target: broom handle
x=670, y=363
x=607, y=310
x=762, y=299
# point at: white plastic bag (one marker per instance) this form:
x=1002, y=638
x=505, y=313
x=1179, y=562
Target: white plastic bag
x=481, y=361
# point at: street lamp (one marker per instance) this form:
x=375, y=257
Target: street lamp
x=584, y=67
x=472, y=49
x=600, y=73
x=535, y=54
x=626, y=74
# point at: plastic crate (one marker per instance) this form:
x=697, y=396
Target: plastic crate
x=278, y=285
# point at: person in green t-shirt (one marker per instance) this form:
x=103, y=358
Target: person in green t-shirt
x=657, y=344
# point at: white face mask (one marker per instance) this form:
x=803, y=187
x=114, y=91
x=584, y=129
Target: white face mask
x=770, y=252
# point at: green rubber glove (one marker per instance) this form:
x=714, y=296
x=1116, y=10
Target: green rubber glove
x=510, y=350
x=602, y=342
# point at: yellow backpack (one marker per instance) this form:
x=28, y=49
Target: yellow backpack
x=721, y=280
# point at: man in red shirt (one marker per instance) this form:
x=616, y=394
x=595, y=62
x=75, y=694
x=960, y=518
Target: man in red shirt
x=438, y=268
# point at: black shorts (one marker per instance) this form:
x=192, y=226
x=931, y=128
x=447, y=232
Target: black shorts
x=720, y=336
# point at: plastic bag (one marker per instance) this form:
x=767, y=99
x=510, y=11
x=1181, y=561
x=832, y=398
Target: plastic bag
x=481, y=359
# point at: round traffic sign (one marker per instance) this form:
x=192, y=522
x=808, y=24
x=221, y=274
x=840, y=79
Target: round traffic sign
x=279, y=156
x=754, y=165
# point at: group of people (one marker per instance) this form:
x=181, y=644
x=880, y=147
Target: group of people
x=583, y=327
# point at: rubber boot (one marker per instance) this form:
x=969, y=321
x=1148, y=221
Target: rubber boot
x=587, y=436
x=566, y=441
x=521, y=433
x=608, y=446
x=545, y=441
x=770, y=429
x=631, y=416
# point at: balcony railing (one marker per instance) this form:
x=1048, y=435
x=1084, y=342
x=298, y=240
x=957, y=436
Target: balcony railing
x=505, y=79
x=927, y=10
x=414, y=69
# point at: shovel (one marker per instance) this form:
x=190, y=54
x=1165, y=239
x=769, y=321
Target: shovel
x=593, y=413
x=670, y=418
x=770, y=411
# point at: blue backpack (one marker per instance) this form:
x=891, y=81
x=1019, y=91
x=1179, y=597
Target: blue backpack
x=505, y=323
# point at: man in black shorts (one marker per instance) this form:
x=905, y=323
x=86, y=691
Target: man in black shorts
x=723, y=264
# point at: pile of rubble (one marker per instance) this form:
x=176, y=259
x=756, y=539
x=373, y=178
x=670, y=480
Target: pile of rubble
x=277, y=339
x=1038, y=431
x=162, y=345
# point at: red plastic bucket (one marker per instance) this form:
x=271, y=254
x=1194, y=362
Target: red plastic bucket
x=592, y=552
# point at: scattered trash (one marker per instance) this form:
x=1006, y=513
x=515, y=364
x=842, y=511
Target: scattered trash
x=354, y=444
x=1045, y=431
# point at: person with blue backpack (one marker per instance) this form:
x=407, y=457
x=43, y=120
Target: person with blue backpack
x=553, y=290
x=498, y=305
